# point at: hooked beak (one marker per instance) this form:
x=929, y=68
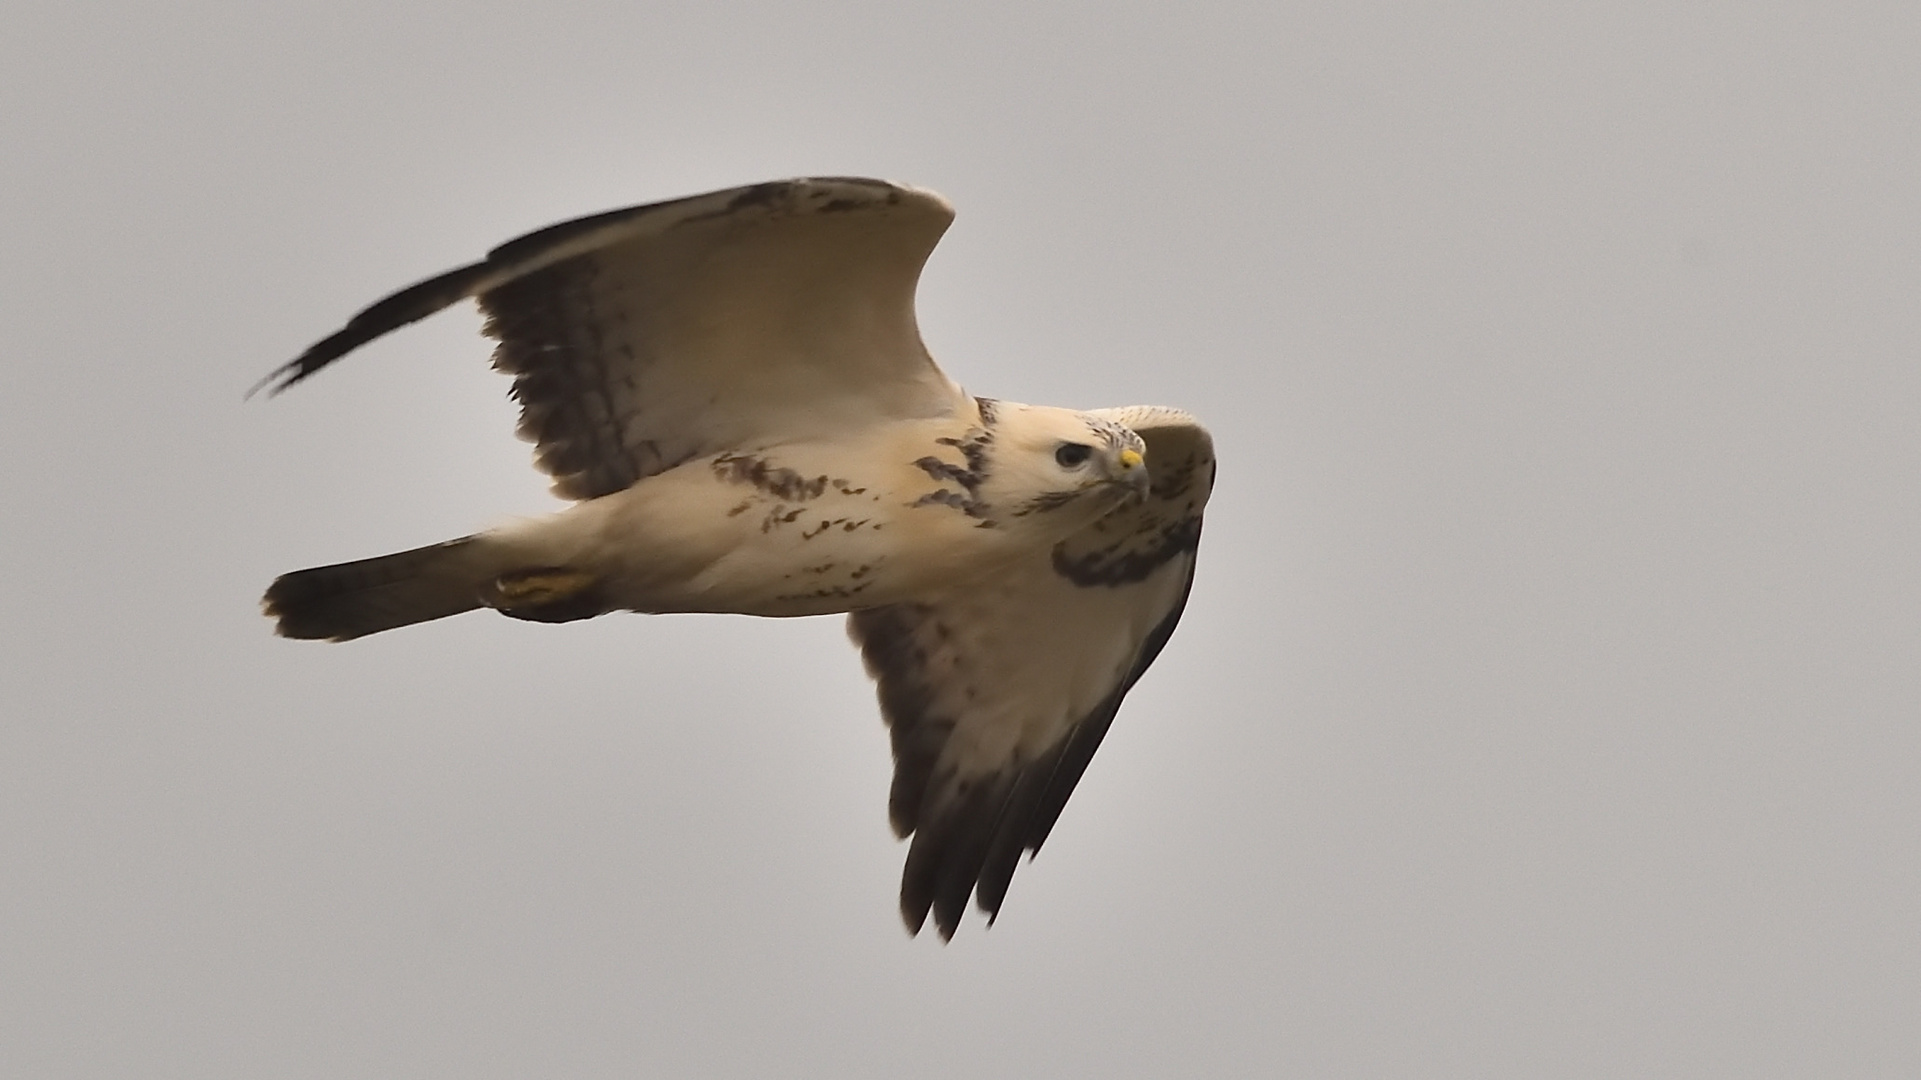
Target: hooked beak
x=1133, y=472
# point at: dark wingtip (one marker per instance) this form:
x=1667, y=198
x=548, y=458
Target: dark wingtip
x=281, y=377
x=915, y=919
x=409, y=305
x=256, y=387
x=914, y=910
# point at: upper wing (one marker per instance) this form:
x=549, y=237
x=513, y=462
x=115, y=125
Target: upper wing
x=641, y=338
x=997, y=697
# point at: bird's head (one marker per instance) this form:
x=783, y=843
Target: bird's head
x=1060, y=467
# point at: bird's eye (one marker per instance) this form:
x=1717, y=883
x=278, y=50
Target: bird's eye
x=1073, y=455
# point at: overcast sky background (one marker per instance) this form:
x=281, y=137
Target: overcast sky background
x=1546, y=706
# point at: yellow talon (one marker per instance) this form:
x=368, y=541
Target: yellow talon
x=538, y=588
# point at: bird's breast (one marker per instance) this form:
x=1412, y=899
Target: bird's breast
x=804, y=529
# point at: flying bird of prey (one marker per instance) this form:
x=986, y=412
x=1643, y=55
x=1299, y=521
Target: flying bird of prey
x=732, y=390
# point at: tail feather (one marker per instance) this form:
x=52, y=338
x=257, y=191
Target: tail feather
x=354, y=599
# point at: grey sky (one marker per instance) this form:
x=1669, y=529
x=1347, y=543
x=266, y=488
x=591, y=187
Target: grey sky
x=1547, y=701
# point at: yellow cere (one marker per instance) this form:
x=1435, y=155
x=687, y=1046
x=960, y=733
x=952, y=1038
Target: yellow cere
x=1130, y=458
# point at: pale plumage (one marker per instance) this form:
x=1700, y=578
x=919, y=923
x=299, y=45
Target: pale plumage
x=733, y=389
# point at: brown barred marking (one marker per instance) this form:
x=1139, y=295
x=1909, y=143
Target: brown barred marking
x=554, y=342
x=944, y=472
x=780, y=482
x=1126, y=560
x=950, y=498
x=1048, y=501
x=974, y=449
x=830, y=592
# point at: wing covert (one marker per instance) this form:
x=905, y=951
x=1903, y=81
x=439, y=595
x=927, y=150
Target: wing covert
x=643, y=337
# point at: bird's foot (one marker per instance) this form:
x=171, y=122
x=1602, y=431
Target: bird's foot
x=545, y=594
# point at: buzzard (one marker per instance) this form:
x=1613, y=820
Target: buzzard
x=732, y=391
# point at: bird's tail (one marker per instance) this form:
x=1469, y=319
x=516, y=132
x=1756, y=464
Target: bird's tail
x=354, y=599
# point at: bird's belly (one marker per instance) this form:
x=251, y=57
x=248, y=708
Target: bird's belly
x=742, y=535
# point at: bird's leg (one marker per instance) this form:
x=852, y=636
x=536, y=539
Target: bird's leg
x=545, y=594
